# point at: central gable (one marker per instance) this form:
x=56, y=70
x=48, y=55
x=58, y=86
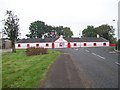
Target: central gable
x=61, y=39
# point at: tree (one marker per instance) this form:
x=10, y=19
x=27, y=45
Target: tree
x=49, y=30
x=90, y=31
x=37, y=28
x=67, y=32
x=107, y=32
x=59, y=30
x=11, y=28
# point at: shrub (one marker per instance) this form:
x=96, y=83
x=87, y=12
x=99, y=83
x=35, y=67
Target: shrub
x=36, y=51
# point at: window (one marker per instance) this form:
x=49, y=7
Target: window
x=104, y=44
x=85, y=44
x=94, y=44
x=37, y=45
x=47, y=45
x=60, y=44
x=19, y=45
x=75, y=44
x=28, y=45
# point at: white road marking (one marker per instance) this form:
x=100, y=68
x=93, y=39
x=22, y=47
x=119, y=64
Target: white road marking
x=65, y=53
x=76, y=49
x=117, y=63
x=112, y=52
x=98, y=56
x=87, y=51
x=94, y=54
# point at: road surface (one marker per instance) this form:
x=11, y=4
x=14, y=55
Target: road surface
x=94, y=67
x=98, y=64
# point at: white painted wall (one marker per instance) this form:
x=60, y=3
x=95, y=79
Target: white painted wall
x=77, y=44
x=91, y=44
x=57, y=44
x=60, y=40
x=64, y=44
x=24, y=45
x=50, y=45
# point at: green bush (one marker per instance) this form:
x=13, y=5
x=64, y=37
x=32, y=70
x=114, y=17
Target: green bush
x=36, y=51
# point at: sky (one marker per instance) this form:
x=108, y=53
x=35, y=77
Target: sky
x=76, y=14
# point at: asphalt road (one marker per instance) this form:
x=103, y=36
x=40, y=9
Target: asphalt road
x=97, y=67
x=63, y=74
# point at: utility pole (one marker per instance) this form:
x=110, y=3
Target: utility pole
x=116, y=25
x=118, y=20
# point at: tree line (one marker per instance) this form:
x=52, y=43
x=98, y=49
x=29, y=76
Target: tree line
x=106, y=31
x=39, y=28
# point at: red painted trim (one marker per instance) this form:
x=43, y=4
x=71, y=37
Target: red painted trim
x=95, y=44
x=47, y=45
x=75, y=44
x=68, y=45
x=53, y=45
x=19, y=45
x=28, y=45
x=60, y=44
x=104, y=44
x=37, y=45
x=85, y=44
x=112, y=44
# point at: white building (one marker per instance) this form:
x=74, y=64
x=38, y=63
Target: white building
x=62, y=42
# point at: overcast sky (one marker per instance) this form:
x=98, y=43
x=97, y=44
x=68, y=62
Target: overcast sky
x=76, y=14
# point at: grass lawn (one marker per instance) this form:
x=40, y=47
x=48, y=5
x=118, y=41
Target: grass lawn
x=21, y=71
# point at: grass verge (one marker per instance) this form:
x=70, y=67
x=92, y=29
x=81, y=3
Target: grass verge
x=21, y=71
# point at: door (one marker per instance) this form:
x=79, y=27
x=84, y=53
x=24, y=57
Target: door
x=53, y=45
x=69, y=46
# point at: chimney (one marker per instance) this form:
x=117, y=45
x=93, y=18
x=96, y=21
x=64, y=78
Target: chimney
x=98, y=36
x=43, y=36
x=61, y=36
